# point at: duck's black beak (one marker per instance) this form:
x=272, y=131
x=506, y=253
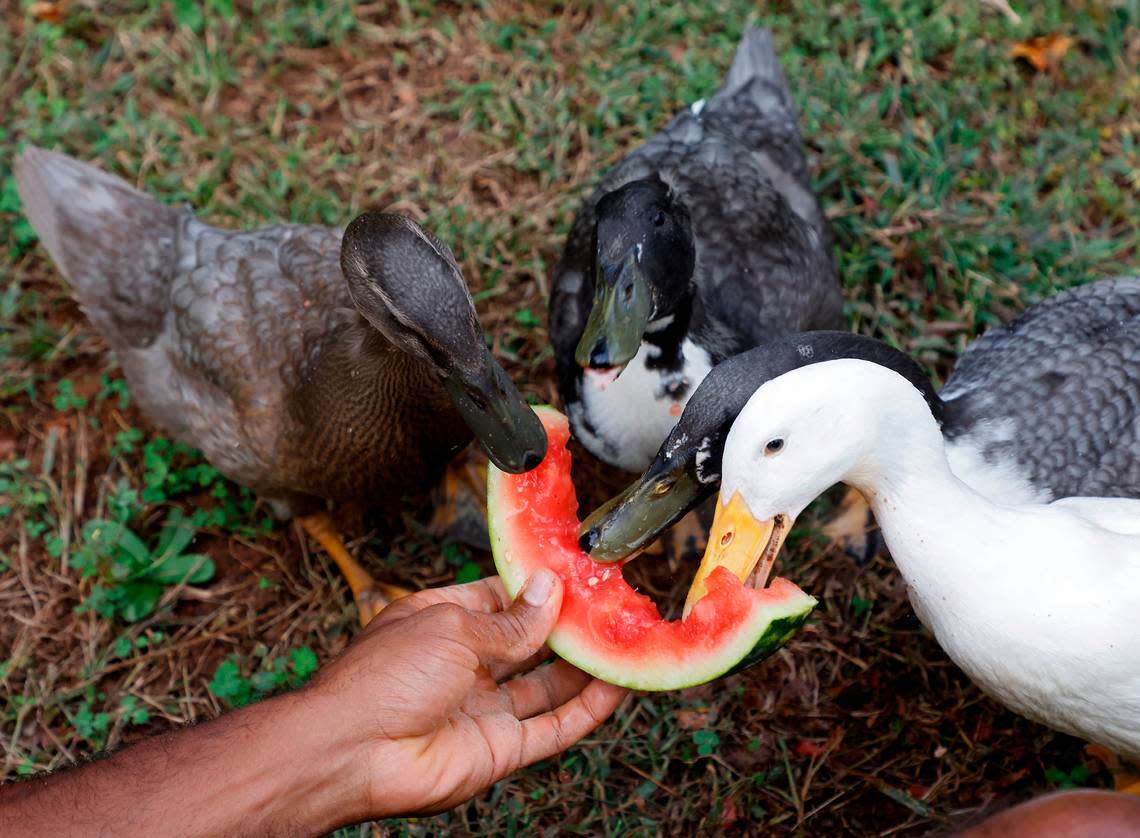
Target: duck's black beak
x=623, y=304
x=498, y=415
x=628, y=522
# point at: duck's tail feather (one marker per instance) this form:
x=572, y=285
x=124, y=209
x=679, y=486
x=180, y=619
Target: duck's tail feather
x=756, y=108
x=756, y=60
x=113, y=243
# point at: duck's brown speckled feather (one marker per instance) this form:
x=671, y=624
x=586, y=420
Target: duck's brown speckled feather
x=244, y=344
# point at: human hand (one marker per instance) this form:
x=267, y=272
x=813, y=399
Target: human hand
x=426, y=695
x=419, y=714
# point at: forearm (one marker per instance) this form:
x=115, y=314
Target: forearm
x=273, y=768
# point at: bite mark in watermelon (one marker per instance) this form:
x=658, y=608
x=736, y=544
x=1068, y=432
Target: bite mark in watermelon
x=606, y=628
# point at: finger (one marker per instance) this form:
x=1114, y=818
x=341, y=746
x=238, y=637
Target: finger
x=484, y=595
x=503, y=671
x=516, y=745
x=545, y=688
x=514, y=635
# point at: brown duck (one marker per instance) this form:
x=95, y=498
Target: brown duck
x=306, y=365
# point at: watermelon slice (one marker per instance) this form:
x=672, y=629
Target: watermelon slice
x=606, y=628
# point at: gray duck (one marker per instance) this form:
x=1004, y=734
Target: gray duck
x=1043, y=408
x=308, y=365
x=704, y=242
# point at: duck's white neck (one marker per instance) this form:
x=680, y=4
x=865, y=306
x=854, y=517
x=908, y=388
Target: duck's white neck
x=928, y=516
x=934, y=524
x=1021, y=597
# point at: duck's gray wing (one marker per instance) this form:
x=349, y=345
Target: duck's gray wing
x=765, y=261
x=1057, y=391
x=762, y=271
x=755, y=108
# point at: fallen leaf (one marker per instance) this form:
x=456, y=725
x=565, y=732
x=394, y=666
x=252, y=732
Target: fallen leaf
x=57, y=425
x=729, y=814
x=807, y=748
x=692, y=719
x=1010, y=779
x=47, y=11
x=405, y=93
x=1102, y=754
x=1043, y=53
x=983, y=731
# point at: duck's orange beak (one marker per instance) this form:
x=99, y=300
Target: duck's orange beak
x=739, y=542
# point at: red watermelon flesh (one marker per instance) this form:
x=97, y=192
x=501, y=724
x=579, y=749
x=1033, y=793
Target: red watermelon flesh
x=606, y=628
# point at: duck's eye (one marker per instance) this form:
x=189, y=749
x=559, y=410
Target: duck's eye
x=663, y=486
x=659, y=219
x=774, y=446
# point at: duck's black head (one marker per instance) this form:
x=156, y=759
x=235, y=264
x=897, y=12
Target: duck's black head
x=643, y=269
x=687, y=467
x=406, y=283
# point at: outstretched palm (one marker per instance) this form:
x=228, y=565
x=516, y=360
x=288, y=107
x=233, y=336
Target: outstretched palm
x=445, y=707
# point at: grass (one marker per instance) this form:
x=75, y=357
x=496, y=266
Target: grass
x=962, y=186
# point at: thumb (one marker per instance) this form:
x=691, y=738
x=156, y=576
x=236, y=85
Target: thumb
x=514, y=635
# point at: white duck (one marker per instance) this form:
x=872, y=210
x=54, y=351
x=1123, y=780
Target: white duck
x=1039, y=603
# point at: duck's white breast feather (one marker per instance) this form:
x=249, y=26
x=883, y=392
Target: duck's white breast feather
x=625, y=421
x=1044, y=616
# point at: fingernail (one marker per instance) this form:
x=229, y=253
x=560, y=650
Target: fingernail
x=539, y=587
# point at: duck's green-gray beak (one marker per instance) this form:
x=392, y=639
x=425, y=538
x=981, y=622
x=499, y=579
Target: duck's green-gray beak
x=498, y=415
x=623, y=305
x=628, y=522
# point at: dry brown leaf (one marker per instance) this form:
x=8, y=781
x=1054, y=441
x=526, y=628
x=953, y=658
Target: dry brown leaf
x=729, y=814
x=692, y=719
x=808, y=748
x=47, y=10
x=406, y=93
x=1043, y=53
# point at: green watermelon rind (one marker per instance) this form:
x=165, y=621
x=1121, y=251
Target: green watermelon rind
x=768, y=629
